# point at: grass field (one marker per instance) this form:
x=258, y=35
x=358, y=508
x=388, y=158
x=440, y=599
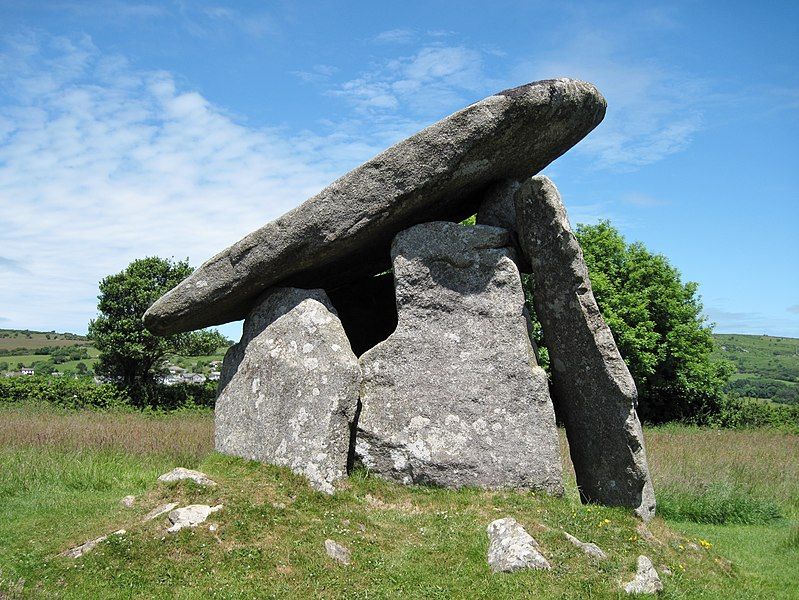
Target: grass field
x=15, y=338
x=760, y=356
x=62, y=476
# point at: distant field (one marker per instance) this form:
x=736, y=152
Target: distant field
x=16, y=338
x=767, y=367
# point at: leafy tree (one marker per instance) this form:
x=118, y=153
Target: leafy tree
x=658, y=324
x=129, y=354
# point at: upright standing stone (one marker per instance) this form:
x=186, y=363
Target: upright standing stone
x=593, y=389
x=289, y=390
x=454, y=396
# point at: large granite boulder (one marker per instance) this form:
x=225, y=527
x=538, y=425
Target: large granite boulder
x=344, y=232
x=288, y=392
x=592, y=387
x=454, y=396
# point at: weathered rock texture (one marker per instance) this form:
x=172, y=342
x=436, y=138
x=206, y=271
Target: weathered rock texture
x=85, y=547
x=511, y=548
x=180, y=473
x=593, y=389
x=288, y=392
x=646, y=580
x=454, y=396
x=343, y=233
x=190, y=516
x=338, y=552
x=589, y=548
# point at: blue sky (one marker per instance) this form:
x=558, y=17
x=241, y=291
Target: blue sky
x=130, y=129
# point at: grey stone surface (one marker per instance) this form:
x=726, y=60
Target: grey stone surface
x=159, y=510
x=589, y=548
x=179, y=473
x=646, y=580
x=511, y=548
x=85, y=547
x=338, y=552
x=344, y=232
x=288, y=392
x=592, y=387
x=498, y=208
x=454, y=396
x=128, y=501
x=190, y=516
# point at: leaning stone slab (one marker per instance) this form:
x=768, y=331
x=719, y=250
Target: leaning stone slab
x=85, y=547
x=179, y=474
x=288, y=391
x=190, y=516
x=646, y=580
x=344, y=232
x=511, y=548
x=592, y=387
x=454, y=396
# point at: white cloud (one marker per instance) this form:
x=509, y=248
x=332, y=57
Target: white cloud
x=793, y=309
x=101, y=164
x=643, y=200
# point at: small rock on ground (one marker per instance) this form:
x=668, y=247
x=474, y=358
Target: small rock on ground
x=512, y=548
x=646, y=580
x=190, y=516
x=85, y=547
x=159, y=510
x=128, y=501
x=589, y=548
x=337, y=552
x=179, y=473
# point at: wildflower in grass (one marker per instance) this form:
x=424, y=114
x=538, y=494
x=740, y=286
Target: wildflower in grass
x=681, y=547
x=603, y=522
x=705, y=544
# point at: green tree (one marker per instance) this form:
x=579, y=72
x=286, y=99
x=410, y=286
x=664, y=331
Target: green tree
x=129, y=354
x=658, y=324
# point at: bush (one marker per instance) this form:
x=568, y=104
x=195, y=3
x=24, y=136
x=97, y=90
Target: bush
x=61, y=391
x=739, y=413
x=717, y=504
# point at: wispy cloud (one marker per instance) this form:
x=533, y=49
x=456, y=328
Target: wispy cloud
x=642, y=200
x=730, y=321
x=793, y=309
x=654, y=110
x=437, y=77
x=101, y=163
x=395, y=36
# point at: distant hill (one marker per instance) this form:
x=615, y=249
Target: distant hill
x=767, y=366
x=11, y=339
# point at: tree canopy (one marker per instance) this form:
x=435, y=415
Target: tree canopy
x=129, y=354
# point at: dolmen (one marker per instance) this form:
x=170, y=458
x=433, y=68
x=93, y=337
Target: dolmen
x=380, y=331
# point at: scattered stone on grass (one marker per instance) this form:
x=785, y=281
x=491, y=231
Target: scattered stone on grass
x=646, y=580
x=512, y=548
x=338, y=552
x=179, y=473
x=190, y=516
x=159, y=510
x=589, y=548
x=85, y=547
x=128, y=501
